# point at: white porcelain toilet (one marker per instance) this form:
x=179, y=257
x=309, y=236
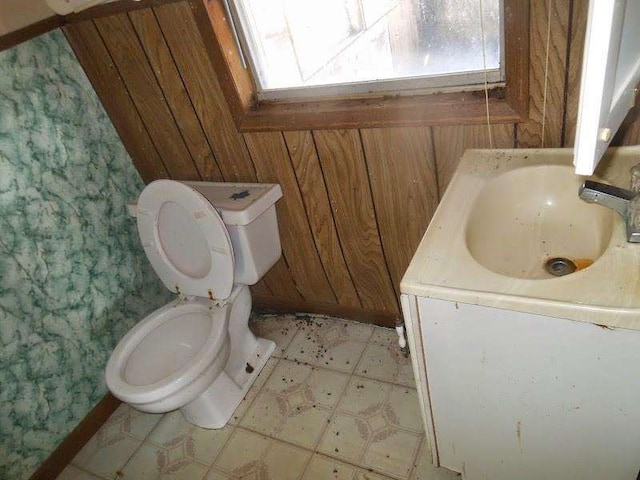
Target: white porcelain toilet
x=207, y=242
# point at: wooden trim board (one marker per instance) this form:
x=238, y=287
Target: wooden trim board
x=21, y=35
x=264, y=304
x=68, y=449
x=108, y=9
x=12, y=39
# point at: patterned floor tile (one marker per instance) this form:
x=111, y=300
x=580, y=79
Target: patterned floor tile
x=392, y=451
x=111, y=447
x=215, y=474
x=179, y=438
x=326, y=468
x=377, y=426
x=340, y=388
x=406, y=405
x=369, y=475
x=385, y=362
x=385, y=336
x=424, y=469
x=362, y=393
x=75, y=473
x=343, y=439
x=253, y=391
x=249, y=455
x=295, y=403
x=322, y=467
x=279, y=328
x=330, y=343
x=175, y=462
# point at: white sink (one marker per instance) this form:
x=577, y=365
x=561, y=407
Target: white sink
x=526, y=217
x=505, y=214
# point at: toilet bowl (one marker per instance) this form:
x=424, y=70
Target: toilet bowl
x=170, y=357
x=207, y=242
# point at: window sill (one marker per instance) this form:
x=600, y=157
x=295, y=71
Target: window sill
x=397, y=111
x=506, y=105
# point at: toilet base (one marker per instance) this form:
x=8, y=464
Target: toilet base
x=214, y=407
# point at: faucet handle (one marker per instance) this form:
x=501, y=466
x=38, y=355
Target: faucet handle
x=625, y=202
x=607, y=195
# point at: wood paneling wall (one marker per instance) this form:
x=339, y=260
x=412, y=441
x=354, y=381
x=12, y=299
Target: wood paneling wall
x=356, y=202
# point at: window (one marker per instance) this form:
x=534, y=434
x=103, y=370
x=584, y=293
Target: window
x=293, y=81
x=356, y=46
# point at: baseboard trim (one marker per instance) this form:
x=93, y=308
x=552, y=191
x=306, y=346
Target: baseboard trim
x=266, y=304
x=67, y=450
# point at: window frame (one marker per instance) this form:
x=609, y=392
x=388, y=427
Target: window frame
x=507, y=104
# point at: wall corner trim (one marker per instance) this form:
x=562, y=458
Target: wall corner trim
x=16, y=37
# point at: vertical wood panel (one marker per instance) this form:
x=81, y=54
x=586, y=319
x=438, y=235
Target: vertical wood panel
x=272, y=163
x=405, y=190
x=574, y=67
x=529, y=134
x=126, y=51
x=449, y=144
x=344, y=168
x=96, y=62
x=182, y=34
x=261, y=288
x=166, y=72
x=304, y=159
x=280, y=283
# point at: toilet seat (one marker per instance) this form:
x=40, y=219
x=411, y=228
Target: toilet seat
x=151, y=362
x=185, y=240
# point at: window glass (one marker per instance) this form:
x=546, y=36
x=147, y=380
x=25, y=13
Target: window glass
x=303, y=43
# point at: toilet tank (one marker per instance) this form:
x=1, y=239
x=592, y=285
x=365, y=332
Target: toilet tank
x=249, y=212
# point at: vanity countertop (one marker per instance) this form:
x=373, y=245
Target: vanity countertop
x=606, y=293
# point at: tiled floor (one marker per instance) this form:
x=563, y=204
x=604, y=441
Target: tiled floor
x=336, y=401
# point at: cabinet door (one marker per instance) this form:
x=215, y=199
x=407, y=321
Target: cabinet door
x=522, y=396
x=610, y=73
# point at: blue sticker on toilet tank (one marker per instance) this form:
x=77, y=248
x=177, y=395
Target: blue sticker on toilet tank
x=240, y=195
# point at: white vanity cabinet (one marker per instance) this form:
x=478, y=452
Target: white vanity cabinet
x=516, y=396
x=523, y=376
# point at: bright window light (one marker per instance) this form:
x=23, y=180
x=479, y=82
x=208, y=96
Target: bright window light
x=360, y=45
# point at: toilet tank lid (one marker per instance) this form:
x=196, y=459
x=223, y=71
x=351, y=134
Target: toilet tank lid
x=239, y=203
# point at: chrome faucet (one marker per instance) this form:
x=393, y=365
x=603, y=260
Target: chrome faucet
x=625, y=202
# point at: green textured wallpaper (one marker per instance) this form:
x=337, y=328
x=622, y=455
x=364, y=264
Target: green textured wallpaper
x=73, y=277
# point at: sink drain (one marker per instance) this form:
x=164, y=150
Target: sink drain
x=560, y=266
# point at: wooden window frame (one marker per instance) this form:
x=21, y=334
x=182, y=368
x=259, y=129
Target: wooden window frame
x=508, y=104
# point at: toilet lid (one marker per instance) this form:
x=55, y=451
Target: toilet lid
x=185, y=240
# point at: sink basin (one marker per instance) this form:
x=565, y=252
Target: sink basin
x=505, y=214
x=525, y=217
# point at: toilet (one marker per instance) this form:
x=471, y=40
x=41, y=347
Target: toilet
x=207, y=242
